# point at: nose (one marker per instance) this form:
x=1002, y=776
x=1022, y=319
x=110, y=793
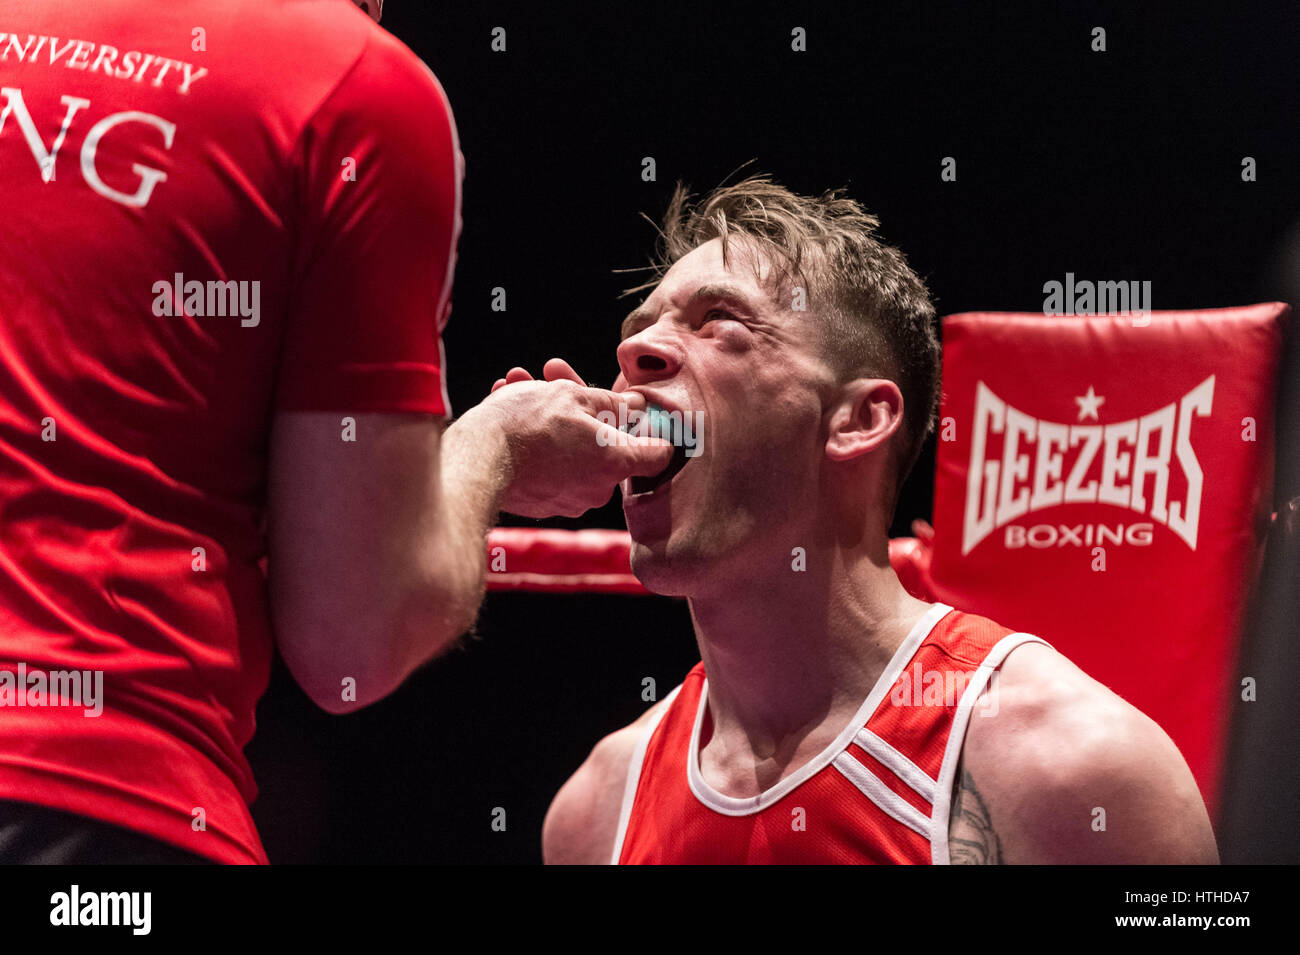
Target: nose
x=646, y=357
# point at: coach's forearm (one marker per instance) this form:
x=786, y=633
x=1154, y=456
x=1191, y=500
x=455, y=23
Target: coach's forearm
x=475, y=474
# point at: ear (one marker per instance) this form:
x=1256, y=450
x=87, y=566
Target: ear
x=869, y=411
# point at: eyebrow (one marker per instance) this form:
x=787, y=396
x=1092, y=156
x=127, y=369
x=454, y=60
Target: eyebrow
x=640, y=317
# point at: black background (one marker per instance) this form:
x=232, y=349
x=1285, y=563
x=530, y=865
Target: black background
x=1118, y=165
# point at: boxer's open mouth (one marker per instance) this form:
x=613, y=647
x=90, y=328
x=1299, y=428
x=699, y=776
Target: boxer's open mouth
x=659, y=422
x=644, y=485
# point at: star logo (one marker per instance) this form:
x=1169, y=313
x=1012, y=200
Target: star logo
x=1088, y=405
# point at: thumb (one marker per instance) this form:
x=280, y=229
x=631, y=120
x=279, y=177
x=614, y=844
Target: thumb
x=637, y=456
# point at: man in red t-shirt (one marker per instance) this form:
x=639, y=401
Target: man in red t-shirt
x=226, y=263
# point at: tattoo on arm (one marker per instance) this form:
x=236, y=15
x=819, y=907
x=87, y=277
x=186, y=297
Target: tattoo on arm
x=971, y=839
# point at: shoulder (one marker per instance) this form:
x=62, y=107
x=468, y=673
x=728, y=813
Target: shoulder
x=386, y=79
x=388, y=66
x=582, y=823
x=1068, y=772
x=388, y=120
x=320, y=71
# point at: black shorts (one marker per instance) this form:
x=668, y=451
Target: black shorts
x=34, y=835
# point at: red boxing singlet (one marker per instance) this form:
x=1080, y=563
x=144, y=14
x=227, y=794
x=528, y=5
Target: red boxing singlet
x=880, y=793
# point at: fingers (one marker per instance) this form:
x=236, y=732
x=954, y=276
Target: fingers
x=645, y=459
x=557, y=369
x=596, y=400
x=631, y=456
x=513, y=376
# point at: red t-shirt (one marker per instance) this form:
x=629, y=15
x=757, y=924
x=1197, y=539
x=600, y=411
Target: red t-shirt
x=294, y=149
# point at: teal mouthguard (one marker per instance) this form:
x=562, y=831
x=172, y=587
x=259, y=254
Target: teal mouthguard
x=664, y=425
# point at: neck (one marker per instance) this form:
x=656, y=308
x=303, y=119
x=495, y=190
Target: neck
x=793, y=657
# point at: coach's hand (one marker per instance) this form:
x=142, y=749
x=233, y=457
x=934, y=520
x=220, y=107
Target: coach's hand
x=559, y=458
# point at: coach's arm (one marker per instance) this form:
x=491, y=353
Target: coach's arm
x=378, y=545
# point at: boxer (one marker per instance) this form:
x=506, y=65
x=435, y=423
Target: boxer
x=833, y=717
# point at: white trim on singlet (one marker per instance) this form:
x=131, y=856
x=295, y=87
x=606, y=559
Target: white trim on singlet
x=634, y=774
x=902, y=767
x=889, y=801
x=732, y=806
x=942, y=804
